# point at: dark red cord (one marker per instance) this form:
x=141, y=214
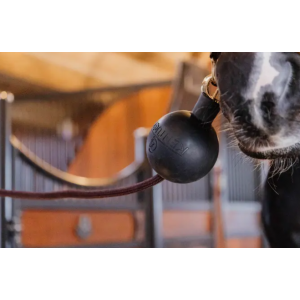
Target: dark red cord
x=76, y=194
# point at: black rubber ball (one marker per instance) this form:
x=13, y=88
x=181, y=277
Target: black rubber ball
x=180, y=148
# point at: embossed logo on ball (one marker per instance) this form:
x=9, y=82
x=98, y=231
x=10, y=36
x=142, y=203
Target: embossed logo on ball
x=152, y=145
x=168, y=140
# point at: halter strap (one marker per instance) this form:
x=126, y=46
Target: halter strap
x=215, y=55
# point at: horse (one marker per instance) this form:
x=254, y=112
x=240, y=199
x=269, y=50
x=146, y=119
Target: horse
x=260, y=98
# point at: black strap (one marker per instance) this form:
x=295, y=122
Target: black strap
x=215, y=55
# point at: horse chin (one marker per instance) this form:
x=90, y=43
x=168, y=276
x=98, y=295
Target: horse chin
x=291, y=152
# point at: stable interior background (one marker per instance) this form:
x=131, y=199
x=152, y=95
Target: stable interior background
x=80, y=120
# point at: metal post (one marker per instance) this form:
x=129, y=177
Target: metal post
x=5, y=164
x=156, y=209
x=151, y=198
x=220, y=194
x=264, y=171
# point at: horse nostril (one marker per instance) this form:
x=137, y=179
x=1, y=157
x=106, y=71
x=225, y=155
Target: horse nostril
x=247, y=118
x=268, y=107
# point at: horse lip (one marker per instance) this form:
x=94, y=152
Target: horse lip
x=286, y=152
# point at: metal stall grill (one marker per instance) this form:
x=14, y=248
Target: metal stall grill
x=48, y=143
x=242, y=174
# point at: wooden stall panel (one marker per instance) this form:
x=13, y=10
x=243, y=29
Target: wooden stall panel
x=74, y=228
x=252, y=242
x=109, y=144
x=195, y=229
x=178, y=224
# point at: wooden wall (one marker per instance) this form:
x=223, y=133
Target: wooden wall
x=57, y=228
x=109, y=144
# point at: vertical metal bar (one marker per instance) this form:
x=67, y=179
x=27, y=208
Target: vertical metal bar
x=5, y=165
x=217, y=209
x=264, y=171
x=2, y=172
x=14, y=226
x=152, y=198
x=156, y=209
x=219, y=196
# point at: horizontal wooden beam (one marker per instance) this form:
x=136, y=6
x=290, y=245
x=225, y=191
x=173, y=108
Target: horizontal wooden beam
x=107, y=67
x=76, y=71
x=43, y=73
x=21, y=87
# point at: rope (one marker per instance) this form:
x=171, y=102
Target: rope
x=75, y=194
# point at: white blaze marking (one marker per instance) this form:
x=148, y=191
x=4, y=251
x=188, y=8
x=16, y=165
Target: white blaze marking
x=267, y=74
